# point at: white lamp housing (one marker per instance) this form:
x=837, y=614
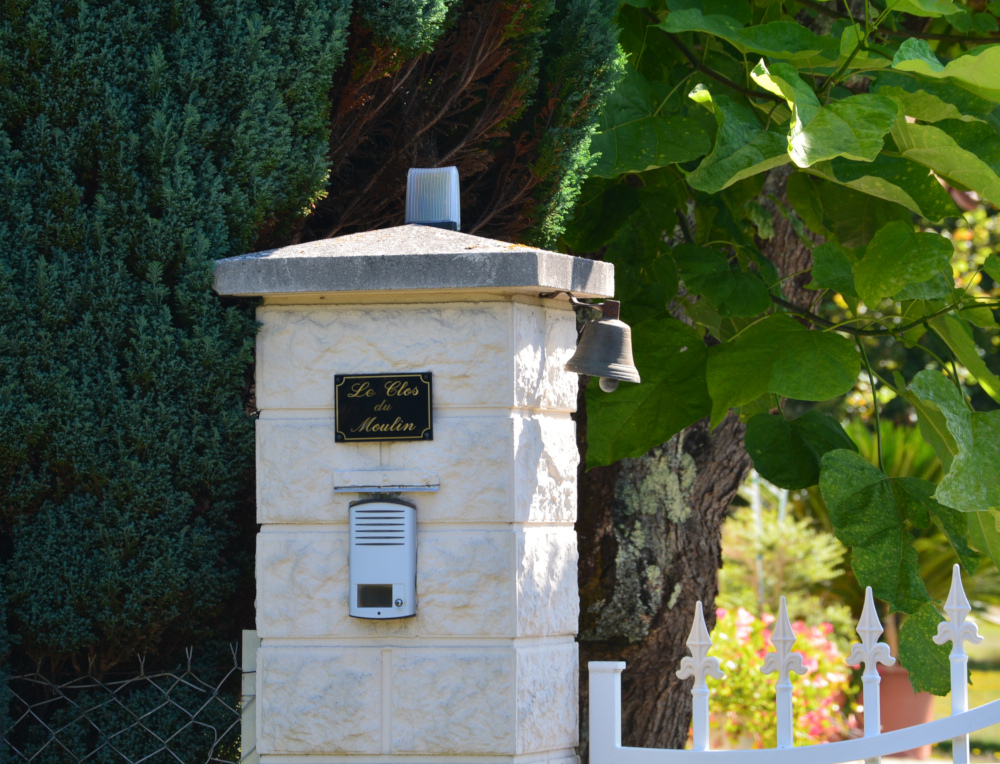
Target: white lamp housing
x=432, y=197
x=383, y=559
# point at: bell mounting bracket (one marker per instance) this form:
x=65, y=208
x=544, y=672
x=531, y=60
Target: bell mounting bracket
x=608, y=308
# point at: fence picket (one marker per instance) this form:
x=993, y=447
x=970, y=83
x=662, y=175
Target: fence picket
x=784, y=661
x=871, y=652
x=700, y=666
x=958, y=631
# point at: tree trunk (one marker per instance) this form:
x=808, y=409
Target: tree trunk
x=649, y=531
x=650, y=537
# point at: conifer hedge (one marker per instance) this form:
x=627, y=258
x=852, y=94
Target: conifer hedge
x=139, y=142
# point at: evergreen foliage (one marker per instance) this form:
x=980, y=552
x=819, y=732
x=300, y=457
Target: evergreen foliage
x=138, y=142
x=408, y=26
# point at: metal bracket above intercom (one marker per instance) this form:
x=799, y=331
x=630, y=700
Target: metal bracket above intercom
x=384, y=481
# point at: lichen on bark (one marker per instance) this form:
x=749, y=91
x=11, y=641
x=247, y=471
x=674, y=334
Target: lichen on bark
x=651, y=494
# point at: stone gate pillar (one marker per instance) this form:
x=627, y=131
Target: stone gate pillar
x=488, y=665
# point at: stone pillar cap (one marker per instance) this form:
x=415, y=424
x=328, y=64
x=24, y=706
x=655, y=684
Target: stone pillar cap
x=411, y=257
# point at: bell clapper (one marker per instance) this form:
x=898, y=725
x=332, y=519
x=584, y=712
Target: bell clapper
x=608, y=385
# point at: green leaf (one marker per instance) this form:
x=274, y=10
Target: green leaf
x=927, y=662
x=739, y=10
x=803, y=192
x=705, y=272
x=955, y=525
x=934, y=427
x=913, y=52
x=957, y=335
x=603, y=208
x=927, y=8
x=896, y=257
x=742, y=146
x=961, y=21
x=971, y=484
x=832, y=269
x=919, y=506
x=778, y=39
x=848, y=216
x=671, y=358
x=867, y=510
x=933, y=101
x=977, y=71
x=634, y=136
x=938, y=287
x=992, y=267
x=748, y=298
x=788, y=453
x=863, y=59
x=778, y=355
x=984, y=535
x=851, y=127
x=895, y=179
x=984, y=23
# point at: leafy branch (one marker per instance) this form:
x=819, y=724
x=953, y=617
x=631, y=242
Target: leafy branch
x=900, y=34
x=721, y=78
x=864, y=332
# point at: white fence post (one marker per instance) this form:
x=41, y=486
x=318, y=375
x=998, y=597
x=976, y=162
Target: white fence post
x=783, y=660
x=700, y=666
x=605, y=709
x=871, y=652
x=957, y=631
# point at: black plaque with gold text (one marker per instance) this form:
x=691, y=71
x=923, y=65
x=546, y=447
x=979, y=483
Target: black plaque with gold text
x=383, y=407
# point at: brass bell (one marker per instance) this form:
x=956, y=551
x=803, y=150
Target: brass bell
x=605, y=349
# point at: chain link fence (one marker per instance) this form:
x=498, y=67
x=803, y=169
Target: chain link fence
x=154, y=718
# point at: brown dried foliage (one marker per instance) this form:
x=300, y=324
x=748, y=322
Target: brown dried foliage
x=465, y=103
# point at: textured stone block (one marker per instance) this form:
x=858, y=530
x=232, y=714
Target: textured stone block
x=490, y=354
x=453, y=701
x=319, y=700
x=465, y=586
x=544, y=340
x=547, y=697
x=470, y=456
x=548, y=602
x=545, y=465
x=489, y=469
x=470, y=583
x=465, y=345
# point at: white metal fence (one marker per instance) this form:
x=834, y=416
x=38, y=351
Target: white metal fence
x=605, y=698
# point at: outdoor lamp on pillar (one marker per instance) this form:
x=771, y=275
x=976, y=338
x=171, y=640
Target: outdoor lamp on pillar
x=604, y=346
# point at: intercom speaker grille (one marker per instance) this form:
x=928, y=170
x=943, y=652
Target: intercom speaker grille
x=379, y=527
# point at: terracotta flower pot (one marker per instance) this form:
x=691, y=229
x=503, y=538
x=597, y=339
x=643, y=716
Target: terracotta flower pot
x=902, y=707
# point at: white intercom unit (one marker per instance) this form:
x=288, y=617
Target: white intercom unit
x=383, y=559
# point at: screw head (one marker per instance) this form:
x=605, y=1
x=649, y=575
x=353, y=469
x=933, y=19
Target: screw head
x=399, y=602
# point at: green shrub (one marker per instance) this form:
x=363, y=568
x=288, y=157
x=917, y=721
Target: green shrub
x=139, y=141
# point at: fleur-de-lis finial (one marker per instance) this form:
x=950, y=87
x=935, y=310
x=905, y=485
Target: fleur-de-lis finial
x=956, y=629
x=699, y=664
x=783, y=660
x=870, y=651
